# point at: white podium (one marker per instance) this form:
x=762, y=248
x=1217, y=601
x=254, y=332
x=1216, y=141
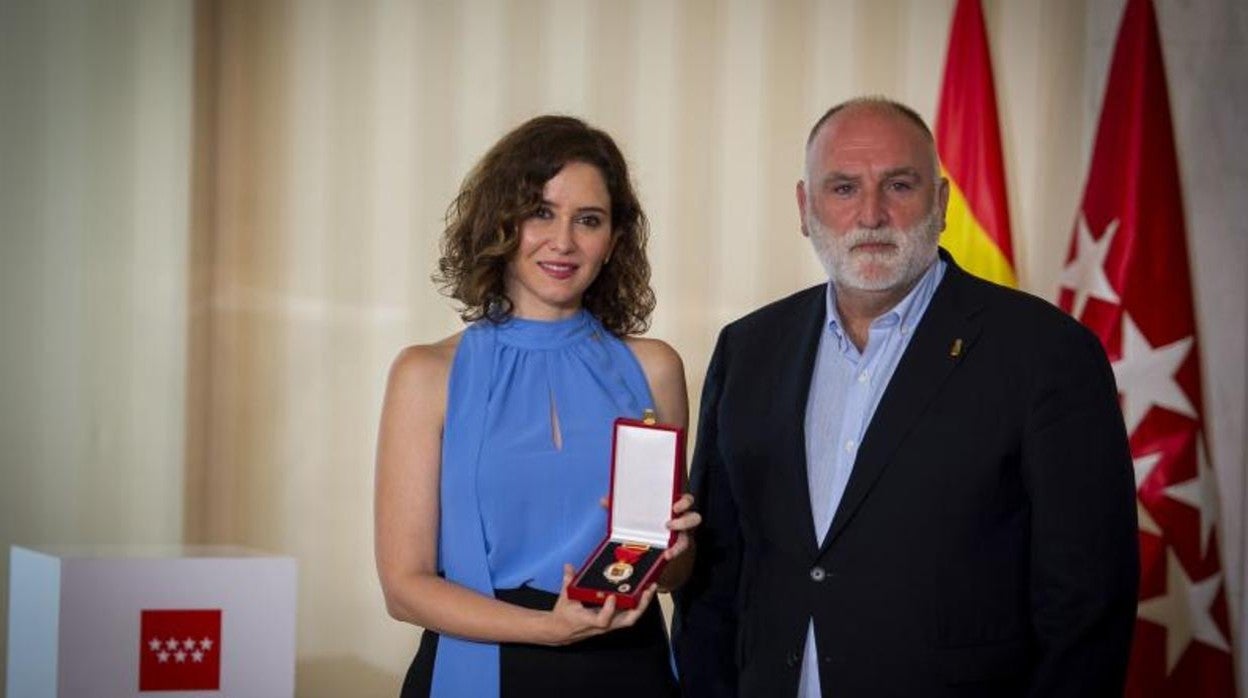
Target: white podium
x=130, y=621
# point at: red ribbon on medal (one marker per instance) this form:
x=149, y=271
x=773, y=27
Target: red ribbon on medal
x=630, y=552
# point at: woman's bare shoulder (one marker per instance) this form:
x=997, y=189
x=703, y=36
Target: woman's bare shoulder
x=658, y=359
x=665, y=373
x=421, y=366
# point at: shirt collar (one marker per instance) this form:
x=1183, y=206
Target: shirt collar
x=906, y=313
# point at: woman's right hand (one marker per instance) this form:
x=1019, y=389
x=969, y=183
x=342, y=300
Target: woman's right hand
x=571, y=621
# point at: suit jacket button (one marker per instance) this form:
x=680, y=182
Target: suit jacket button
x=792, y=659
x=817, y=574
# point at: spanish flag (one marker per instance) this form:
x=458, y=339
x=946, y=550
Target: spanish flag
x=977, y=231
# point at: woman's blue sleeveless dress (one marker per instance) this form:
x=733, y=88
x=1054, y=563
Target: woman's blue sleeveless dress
x=525, y=461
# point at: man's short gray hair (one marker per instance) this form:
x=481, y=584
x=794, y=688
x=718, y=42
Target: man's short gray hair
x=882, y=103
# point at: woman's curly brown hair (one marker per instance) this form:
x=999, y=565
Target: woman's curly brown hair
x=505, y=188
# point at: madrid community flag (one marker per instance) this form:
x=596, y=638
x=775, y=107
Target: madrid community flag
x=180, y=650
x=1127, y=278
x=977, y=224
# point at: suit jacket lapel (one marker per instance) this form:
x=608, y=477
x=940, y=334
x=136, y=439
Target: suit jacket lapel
x=926, y=364
x=793, y=388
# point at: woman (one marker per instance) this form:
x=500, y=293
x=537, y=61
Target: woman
x=494, y=447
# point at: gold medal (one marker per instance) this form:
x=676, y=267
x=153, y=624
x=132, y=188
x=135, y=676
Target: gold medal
x=618, y=571
x=625, y=555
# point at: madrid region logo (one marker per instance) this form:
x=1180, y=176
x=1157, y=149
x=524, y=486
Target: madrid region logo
x=180, y=650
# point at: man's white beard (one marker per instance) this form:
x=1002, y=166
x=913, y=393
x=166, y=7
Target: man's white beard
x=914, y=250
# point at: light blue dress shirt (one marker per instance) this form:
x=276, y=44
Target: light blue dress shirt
x=845, y=389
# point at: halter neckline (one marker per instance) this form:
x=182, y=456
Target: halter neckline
x=547, y=334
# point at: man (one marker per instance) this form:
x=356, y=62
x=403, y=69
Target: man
x=913, y=482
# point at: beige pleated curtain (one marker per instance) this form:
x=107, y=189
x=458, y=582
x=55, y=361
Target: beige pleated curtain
x=293, y=221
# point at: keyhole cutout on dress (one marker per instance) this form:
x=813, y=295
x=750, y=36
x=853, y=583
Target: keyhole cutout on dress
x=556, y=435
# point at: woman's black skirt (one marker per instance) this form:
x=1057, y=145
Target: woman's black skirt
x=629, y=663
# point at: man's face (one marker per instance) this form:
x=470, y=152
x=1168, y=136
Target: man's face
x=871, y=203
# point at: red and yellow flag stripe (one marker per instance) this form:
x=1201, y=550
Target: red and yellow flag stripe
x=977, y=224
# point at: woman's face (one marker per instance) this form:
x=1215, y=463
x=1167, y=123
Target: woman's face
x=562, y=246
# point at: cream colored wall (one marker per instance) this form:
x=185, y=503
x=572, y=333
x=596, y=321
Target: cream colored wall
x=95, y=108
x=329, y=138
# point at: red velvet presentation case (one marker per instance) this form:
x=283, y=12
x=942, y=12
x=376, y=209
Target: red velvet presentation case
x=647, y=473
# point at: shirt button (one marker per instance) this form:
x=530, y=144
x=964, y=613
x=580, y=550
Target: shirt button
x=849, y=446
x=817, y=574
x=864, y=376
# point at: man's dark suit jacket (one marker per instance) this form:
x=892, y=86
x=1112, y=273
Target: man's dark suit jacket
x=986, y=542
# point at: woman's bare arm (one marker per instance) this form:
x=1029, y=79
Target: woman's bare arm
x=665, y=374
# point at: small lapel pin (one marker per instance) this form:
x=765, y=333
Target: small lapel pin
x=956, y=350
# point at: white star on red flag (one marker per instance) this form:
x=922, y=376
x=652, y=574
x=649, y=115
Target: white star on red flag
x=1200, y=493
x=1143, y=468
x=1184, y=611
x=1085, y=273
x=1146, y=375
